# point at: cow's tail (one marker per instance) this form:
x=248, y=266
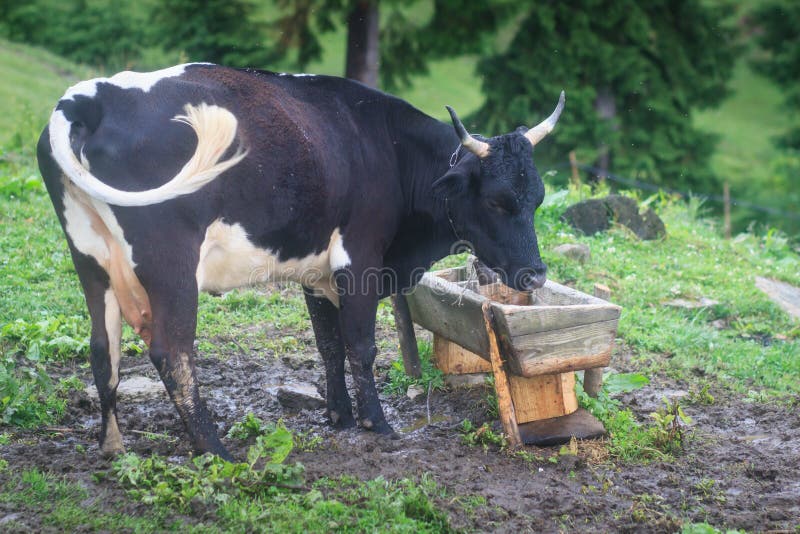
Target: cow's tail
x=215, y=128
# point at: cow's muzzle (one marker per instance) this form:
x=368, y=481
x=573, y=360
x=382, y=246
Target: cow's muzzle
x=530, y=279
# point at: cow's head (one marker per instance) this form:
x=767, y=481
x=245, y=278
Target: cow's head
x=491, y=194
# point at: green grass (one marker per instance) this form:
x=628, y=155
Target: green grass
x=431, y=379
x=759, y=350
x=67, y=506
x=266, y=493
x=747, y=123
x=32, y=82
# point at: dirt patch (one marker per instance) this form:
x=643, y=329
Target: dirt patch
x=741, y=469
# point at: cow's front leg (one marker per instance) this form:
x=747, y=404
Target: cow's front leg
x=174, y=323
x=325, y=320
x=357, y=308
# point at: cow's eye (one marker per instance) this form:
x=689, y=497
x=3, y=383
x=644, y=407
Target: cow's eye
x=497, y=206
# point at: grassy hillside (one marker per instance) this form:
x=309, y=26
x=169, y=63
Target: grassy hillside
x=31, y=80
x=746, y=123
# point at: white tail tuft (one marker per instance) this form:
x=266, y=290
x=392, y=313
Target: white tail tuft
x=215, y=128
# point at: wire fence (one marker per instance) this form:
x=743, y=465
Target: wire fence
x=632, y=182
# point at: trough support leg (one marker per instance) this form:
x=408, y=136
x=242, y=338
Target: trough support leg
x=408, y=339
x=505, y=405
x=592, y=380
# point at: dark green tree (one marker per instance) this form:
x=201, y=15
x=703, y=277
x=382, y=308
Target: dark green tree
x=387, y=40
x=777, y=56
x=779, y=39
x=105, y=33
x=218, y=31
x=633, y=73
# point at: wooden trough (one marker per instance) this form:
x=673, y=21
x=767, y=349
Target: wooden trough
x=532, y=342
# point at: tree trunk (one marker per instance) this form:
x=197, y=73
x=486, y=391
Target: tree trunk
x=606, y=109
x=363, y=52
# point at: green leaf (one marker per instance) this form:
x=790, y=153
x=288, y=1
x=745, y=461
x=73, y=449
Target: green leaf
x=280, y=442
x=624, y=382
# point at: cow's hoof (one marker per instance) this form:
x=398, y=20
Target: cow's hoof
x=341, y=420
x=112, y=448
x=379, y=427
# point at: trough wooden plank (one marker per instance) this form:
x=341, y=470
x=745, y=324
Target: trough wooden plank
x=450, y=311
x=555, y=294
x=559, y=363
x=453, y=359
x=583, y=339
x=543, y=397
x=505, y=405
x=517, y=321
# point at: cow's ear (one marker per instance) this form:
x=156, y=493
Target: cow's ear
x=452, y=184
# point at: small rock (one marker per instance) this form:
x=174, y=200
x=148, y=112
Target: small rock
x=9, y=518
x=135, y=388
x=691, y=304
x=300, y=397
x=414, y=391
x=577, y=251
x=784, y=295
x=596, y=215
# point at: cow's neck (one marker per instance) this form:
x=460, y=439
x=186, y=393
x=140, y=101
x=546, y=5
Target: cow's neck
x=425, y=150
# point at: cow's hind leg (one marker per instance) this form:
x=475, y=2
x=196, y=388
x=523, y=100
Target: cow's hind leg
x=104, y=347
x=325, y=320
x=174, y=322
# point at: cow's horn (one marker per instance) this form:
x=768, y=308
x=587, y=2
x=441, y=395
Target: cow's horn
x=479, y=148
x=540, y=131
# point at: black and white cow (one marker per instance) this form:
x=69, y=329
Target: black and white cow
x=201, y=177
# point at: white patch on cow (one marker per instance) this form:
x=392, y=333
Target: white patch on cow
x=339, y=258
x=127, y=80
x=228, y=259
x=215, y=128
x=113, y=322
x=112, y=441
x=296, y=75
x=79, y=227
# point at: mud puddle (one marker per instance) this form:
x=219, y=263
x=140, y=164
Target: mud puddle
x=740, y=470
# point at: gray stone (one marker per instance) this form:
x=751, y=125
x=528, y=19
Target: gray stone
x=300, y=397
x=10, y=518
x=577, y=251
x=135, y=388
x=686, y=304
x=784, y=295
x=596, y=215
x=414, y=391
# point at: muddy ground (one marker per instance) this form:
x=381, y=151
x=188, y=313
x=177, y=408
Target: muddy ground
x=741, y=469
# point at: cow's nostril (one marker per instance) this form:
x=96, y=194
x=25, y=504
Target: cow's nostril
x=530, y=280
x=527, y=280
